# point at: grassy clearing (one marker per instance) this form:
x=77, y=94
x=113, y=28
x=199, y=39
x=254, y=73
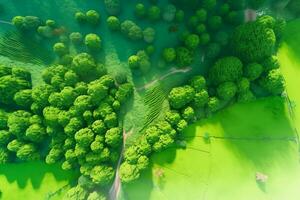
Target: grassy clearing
x=34, y=180
x=225, y=169
x=290, y=65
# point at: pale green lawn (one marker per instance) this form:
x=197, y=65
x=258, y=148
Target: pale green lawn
x=32, y=181
x=225, y=169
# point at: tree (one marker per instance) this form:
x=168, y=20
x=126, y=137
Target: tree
x=60, y=49
x=274, y=82
x=243, y=85
x=4, y=156
x=173, y=117
x=226, y=69
x=131, y=30
x=204, y=38
x=28, y=152
x=80, y=17
x=201, y=98
x=149, y=35
x=270, y=63
x=15, y=145
x=169, y=13
x=201, y=15
x=143, y=162
x=209, y=4
x=184, y=57
x=9, y=86
x=253, y=41
x=131, y=154
x=140, y=10
x=246, y=96
x=23, y=98
x=188, y=114
x=124, y=92
x=76, y=38
x=35, y=133
x=113, y=137
x=214, y=22
x=18, y=122
x=253, y=71
x=93, y=42
x=213, y=104
x=154, y=13
x=5, y=137
x=227, y=90
x=113, y=7
x=84, y=65
x=181, y=96
x=192, y=41
x=113, y=23
x=198, y=83
x=128, y=172
x=102, y=175
x=169, y=54
x=93, y=17
x=84, y=137
x=96, y=196
x=3, y=119
x=76, y=193
x=111, y=120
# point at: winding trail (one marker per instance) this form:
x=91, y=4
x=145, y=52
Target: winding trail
x=171, y=72
x=6, y=22
x=115, y=189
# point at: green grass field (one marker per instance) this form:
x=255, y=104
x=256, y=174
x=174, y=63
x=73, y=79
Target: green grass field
x=33, y=180
x=225, y=169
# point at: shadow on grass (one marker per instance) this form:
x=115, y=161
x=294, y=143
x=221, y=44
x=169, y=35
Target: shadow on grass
x=33, y=172
x=267, y=124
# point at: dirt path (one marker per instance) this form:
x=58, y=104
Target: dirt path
x=115, y=189
x=171, y=72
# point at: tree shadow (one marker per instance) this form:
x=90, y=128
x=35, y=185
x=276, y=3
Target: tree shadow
x=266, y=135
x=34, y=172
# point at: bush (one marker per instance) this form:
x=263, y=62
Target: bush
x=274, y=82
x=253, y=42
x=253, y=71
x=113, y=23
x=76, y=38
x=169, y=54
x=140, y=10
x=226, y=90
x=227, y=69
x=154, y=13
x=184, y=57
x=92, y=17
x=181, y=96
x=93, y=42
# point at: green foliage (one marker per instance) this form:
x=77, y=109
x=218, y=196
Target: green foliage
x=76, y=38
x=60, y=49
x=201, y=98
x=102, y=174
x=113, y=23
x=149, y=35
x=226, y=69
x=274, y=82
x=128, y=172
x=84, y=65
x=192, y=41
x=184, y=57
x=76, y=193
x=254, y=41
x=181, y=96
x=92, y=41
x=227, y=90
x=169, y=54
x=113, y=137
x=93, y=17
x=131, y=30
x=23, y=98
x=113, y=7
x=154, y=13
x=253, y=71
x=140, y=10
